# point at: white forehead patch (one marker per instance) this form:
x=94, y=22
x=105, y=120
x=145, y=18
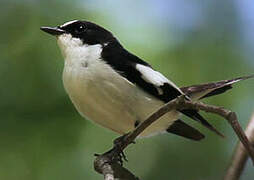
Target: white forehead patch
x=68, y=23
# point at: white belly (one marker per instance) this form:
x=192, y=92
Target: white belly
x=105, y=97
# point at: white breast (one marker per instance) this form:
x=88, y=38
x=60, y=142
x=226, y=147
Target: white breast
x=100, y=94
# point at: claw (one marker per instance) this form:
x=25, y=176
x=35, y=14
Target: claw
x=116, y=154
x=118, y=149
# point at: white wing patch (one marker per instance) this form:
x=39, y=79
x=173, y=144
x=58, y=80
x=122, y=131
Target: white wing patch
x=154, y=77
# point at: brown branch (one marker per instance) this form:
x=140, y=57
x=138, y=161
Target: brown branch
x=103, y=162
x=112, y=170
x=240, y=156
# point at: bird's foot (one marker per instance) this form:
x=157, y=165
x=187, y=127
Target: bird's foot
x=116, y=154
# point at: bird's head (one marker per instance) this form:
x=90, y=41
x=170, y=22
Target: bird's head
x=74, y=34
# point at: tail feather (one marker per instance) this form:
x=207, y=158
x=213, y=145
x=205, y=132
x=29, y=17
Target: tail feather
x=210, y=89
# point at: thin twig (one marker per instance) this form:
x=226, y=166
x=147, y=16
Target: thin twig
x=179, y=103
x=240, y=156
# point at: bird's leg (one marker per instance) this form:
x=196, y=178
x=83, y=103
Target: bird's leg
x=119, y=146
x=116, y=153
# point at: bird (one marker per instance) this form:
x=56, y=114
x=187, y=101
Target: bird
x=116, y=89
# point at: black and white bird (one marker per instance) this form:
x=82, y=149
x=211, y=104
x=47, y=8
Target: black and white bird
x=118, y=90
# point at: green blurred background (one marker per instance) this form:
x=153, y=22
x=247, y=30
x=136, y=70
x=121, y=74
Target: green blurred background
x=42, y=137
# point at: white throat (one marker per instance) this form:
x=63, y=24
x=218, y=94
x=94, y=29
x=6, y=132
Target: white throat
x=75, y=52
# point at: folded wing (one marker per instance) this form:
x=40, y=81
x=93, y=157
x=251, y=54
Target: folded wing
x=153, y=82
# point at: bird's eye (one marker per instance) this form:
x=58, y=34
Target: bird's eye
x=80, y=29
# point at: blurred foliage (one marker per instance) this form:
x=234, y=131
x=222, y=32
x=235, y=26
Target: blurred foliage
x=42, y=137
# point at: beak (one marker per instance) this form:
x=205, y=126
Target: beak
x=53, y=30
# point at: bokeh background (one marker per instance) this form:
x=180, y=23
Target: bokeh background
x=42, y=137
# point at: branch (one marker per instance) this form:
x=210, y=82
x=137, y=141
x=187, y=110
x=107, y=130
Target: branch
x=240, y=156
x=104, y=162
x=112, y=170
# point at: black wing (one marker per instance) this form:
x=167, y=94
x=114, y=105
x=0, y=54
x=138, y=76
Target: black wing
x=126, y=63
x=141, y=73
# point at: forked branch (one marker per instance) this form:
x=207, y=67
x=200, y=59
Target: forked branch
x=113, y=171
